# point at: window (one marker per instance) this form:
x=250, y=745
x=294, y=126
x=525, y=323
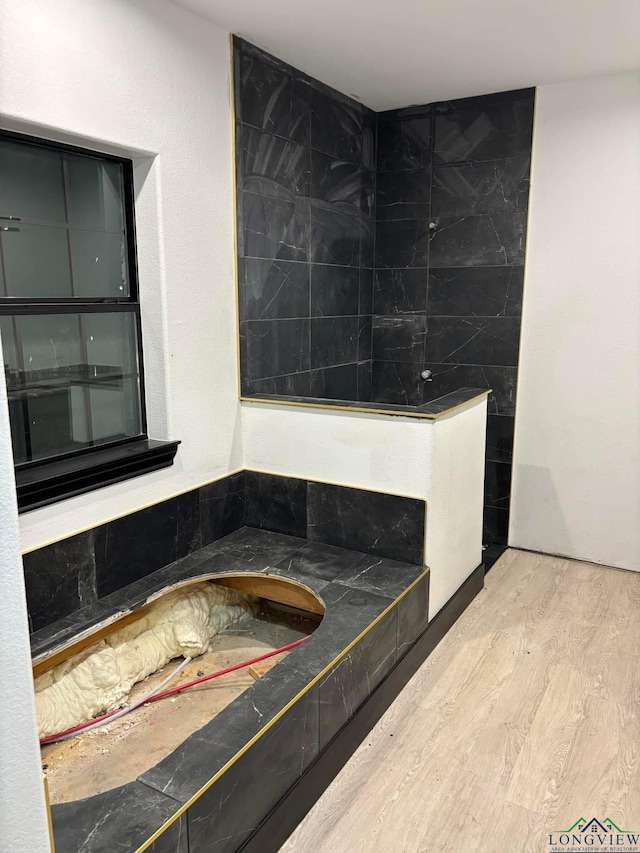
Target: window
x=70, y=321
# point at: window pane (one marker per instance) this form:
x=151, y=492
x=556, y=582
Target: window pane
x=31, y=183
x=10, y=355
x=111, y=341
x=69, y=238
x=99, y=264
x=50, y=342
x=36, y=261
x=13, y=378
x=95, y=193
x=80, y=384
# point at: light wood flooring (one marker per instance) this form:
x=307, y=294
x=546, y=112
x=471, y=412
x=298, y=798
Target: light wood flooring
x=525, y=718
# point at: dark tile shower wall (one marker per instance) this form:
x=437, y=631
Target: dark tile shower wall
x=375, y=246
x=305, y=192
x=452, y=196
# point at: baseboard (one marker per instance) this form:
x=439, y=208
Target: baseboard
x=287, y=814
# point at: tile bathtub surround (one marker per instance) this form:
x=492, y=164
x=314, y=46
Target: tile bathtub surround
x=88, y=569
x=305, y=164
x=366, y=629
x=380, y=524
x=81, y=570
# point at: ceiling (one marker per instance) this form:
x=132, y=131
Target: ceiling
x=400, y=52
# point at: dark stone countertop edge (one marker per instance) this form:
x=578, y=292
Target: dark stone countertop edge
x=432, y=410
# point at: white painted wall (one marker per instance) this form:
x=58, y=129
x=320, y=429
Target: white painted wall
x=439, y=461
x=21, y=791
x=151, y=81
x=416, y=52
x=576, y=482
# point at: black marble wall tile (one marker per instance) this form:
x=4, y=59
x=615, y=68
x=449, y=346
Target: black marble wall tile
x=403, y=143
x=291, y=385
x=334, y=340
x=275, y=228
x=336, y=182
x=369, y=134
x=174, y=839
x=386, y=525
x=367, y=242
x=252, y=545
x=403, y=195
x=135, y=545
x=399, y=338
x=334, y=291
x=188, y=537
x=305, y=162
x=270, y=98
x=500, y=438
x=219, y=822
x=335, y=383
x=336, y=126
x=353, y=611
x=275, y=347
x=275, y=503
x=132, y=812
x=397, y=382
x=497, y=186
x=221, y=507
x=365, y=303
x=379, y=575
x=272, y=289
x=350, y=682
x=272, y=166
x=475, y=291
x=475, y=129
x=403, y=243
x=364, y=381
x=497, y=484
x=56, y=632
x=60, y=579
x=473, y=340
x=335, y=237
x=368, y=195
x=365, y=338
x=318, y=562
x=496, y=238
x=413, y=614
x=400, y=291
x=495, y=525
x=450, y=377
x=490, y=555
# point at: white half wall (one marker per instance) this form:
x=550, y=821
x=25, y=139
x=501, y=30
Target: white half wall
x=151, y=81
x=576, y=477
x=21, y=787
x=440, y=461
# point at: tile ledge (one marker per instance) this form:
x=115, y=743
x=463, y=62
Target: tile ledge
x=433, y=410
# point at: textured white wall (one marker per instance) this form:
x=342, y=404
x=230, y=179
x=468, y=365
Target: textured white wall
x=576, y=481
x=149, y=80
x=440, y=461
x=454, y=513
x=23, y=820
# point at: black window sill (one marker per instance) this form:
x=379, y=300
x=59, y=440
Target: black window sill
x=49, y=482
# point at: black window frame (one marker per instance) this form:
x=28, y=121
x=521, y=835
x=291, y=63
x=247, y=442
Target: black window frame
x=44, y=481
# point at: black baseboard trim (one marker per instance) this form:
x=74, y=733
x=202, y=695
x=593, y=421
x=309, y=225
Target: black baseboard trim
x=287, y=814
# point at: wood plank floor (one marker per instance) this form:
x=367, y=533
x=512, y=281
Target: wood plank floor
x=525, y=718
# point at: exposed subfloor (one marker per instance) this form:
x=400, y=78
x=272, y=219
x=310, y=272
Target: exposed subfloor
x=119, y=752
x=523, y=720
